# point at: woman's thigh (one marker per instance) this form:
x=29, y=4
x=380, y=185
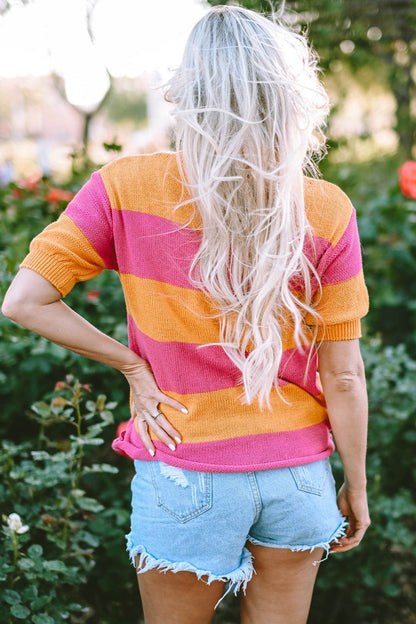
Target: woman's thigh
x=281, y=590
x=178, y=598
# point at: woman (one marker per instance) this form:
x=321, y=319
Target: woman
x=242, y=281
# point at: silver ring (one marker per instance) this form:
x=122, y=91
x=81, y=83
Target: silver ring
x=156, y=414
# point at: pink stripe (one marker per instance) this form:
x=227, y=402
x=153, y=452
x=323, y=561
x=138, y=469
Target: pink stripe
x=344, y=260
x=90, y=210
x=257, y=452
x=293, y=367
x=154, y=248
x=188, y=368
x=185, y=368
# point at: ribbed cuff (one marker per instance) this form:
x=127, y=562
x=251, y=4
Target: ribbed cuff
x=47, y=267
x=349, y=330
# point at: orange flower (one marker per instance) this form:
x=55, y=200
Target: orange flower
x=56, y=194
x=407, y=179
x=59, y=402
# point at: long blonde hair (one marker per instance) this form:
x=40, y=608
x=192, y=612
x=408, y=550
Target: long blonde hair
x=250, y=110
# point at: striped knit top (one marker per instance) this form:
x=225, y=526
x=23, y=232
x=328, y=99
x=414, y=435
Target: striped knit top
x=127, y=218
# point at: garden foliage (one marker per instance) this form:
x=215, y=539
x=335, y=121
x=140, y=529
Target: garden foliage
x=62, y=557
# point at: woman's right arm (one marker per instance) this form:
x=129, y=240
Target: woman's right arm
x=341, y=370
x=33, y=302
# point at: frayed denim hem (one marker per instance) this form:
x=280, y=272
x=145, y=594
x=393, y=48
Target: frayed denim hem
x=235, y=580
x=340, y=532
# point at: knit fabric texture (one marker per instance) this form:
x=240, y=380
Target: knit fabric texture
x=129, y=217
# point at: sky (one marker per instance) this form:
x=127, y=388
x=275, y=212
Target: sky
x=132, y=37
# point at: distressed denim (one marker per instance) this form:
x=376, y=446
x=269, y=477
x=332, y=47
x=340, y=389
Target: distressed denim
x=201, y=521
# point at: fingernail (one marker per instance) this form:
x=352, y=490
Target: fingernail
x=151, y=452
x=184, y=410
x=172, y=447
x=178, y=440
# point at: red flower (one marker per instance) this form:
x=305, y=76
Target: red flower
x=93, y=295
x=407, y=179
x=60, y=385
x=29, y=184
x=122, y=427
x=56, y=194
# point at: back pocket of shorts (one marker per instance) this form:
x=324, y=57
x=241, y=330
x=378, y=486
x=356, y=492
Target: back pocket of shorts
x=312, y=477
x=184, y=494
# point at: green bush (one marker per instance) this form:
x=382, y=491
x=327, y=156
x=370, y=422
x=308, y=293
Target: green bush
x=372, y=584
x=53, y=523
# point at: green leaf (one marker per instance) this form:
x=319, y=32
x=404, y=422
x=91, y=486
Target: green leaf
x=11, y=597
x=41, y=408
x=55, y=565
x=42, y=618
x=392, y=590
x=35, y=551
x=101, y=468
x=26, y=564
x=107, y=417
x=20, y=611
x=40, y=602
x=90, y=504
x=93, y=441
x=38, y=455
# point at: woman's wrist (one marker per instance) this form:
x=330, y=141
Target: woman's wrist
x=356, y=483
x=134, y=366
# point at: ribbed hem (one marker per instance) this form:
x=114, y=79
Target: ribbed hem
x=349, y=330
x=47, y=267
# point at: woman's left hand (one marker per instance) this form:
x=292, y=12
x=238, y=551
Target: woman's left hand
x=352, y=503
x=145, y=409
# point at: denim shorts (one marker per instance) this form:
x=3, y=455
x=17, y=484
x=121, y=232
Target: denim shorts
x=201, y=521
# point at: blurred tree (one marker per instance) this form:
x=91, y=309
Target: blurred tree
x=88, y=113
x=92, y=63
x=379, y=35
x=127, y=105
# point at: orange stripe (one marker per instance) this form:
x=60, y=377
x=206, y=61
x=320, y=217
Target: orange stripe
x=343, y=301
x=63, y=255
x=165, y=312
x=328, y=209
x=150, y=184
x=208, y=422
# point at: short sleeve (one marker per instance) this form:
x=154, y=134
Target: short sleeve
x=79, y=245
x=342, y=299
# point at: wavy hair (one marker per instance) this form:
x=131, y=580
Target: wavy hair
x=250, y=109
